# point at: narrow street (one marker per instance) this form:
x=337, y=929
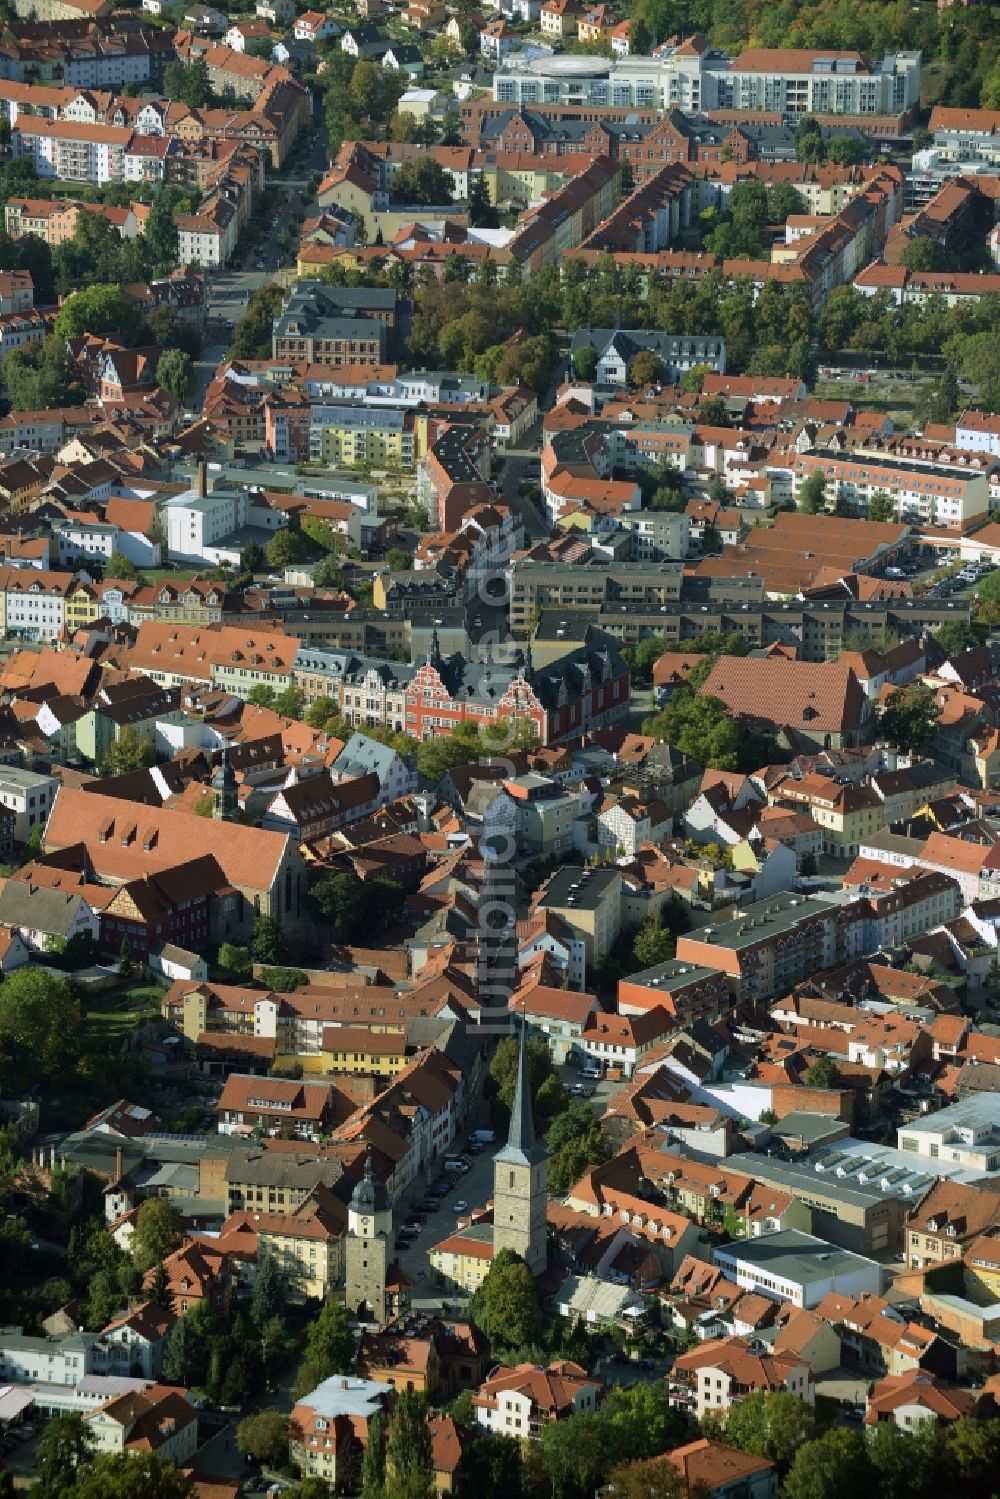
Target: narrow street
x=230, y=290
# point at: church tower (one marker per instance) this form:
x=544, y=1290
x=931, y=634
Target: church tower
x=520, y=1179
x=225, y=792
x=368, y=1248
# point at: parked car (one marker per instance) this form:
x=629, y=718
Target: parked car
x=461, y=1206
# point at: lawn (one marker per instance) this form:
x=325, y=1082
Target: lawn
x=112, y=1015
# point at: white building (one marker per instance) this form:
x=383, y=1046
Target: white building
x=693, y=77
x=364, y=756
x=36, y=603
x=796, y=1267
x=200, y=522
x=72, y=151
x=29, y=795
x=966, y=1134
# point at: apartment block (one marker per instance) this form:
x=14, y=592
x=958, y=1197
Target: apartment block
x=692, y=76
x=924, y=494
x=773, y=944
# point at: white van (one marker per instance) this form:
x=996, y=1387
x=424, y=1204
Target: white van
x=592, y=1069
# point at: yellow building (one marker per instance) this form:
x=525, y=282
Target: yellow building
x=357, y=1050
x=307, y=1245
x=312, y=257
x=463, y=1259
x=384, y=437
x=981, y=1264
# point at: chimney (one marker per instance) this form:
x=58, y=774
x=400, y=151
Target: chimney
x=201, y=480
x=119, y=1162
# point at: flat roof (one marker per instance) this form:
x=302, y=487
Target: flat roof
x=829, y=1175
x=980, y=1113
x=793, y=1256
x=764, y=918
x=577, y=886
x=345, y=1395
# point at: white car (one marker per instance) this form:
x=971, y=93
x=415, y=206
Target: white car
x=461, y=1206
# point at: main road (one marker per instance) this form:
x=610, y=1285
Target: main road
x=229, y=291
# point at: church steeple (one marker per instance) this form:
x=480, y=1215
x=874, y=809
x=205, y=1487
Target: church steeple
x=522, y=1146
x=520, y=1176
x=225, y=792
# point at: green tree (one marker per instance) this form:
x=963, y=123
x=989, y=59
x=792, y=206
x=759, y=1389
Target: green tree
x=329, y=1346
x=189, y=84
x=121, y=567
x=65, y=1447
x=373, y=1462
x=130, y=1475
x=507, y=1305
x=159, y=1290
x=268, y=944
x=339, y=899
x=833, y=1464
x=881, y=506
x=924, y=254
x=252, y=557
x=908, y=719
x=290, y=702
x=772, y=1425
x=503, y=1067
x=809, y=140
x=177, y=374
x=646, y=368
x=40, y=1023
x=264, y=1436
x=408, y=1460
x=653, y=944
x=235, y=960
x=955, y=637
x=98, y=309
x=127, y=753
x=398, y=560
x=160, y=234
x=159, y=1230
x=698, y=725
x=268, y=1297
x=422, y=180
x=482, y=214
x=185, y=1354
x=261, y=696
x=812, y=493
x=490, y=1468
x=286, y=548
x=823, y=1074
x=585, y=363
x=651, y=1478
x=435, y=757
x=845, y=150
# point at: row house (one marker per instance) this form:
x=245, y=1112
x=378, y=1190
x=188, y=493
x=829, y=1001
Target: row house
x=33, y=602
x=317, y=807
